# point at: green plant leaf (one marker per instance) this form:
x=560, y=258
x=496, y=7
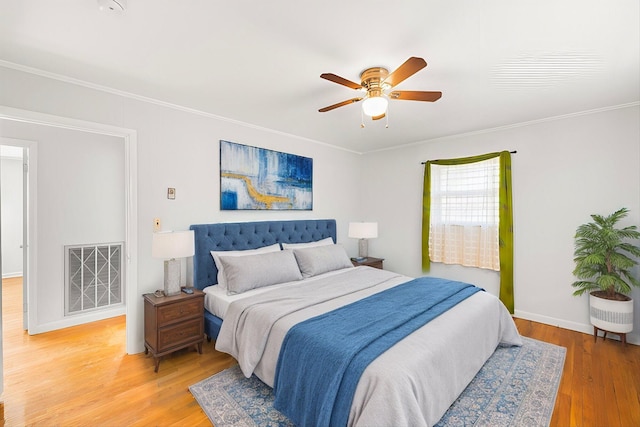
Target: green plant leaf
x=605, y=255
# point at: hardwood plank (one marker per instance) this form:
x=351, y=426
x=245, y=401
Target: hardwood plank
x=83, y=376
x=574, y=382
x=626, y=395
x=562, y=414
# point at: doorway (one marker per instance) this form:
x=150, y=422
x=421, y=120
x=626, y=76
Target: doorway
x=14, y=156
x=129, y=140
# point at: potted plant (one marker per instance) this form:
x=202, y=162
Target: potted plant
x=604, y=258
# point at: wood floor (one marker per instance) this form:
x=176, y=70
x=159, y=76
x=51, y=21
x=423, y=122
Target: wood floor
x=82, y=376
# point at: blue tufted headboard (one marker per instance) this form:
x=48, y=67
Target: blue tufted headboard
x=249, y=235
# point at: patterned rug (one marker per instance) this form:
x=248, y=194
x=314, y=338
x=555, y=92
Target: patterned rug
x=516, y=387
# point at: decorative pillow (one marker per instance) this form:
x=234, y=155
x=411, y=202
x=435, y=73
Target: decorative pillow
x=216, y=258
x=321, y=259
x=323, y=242
x=255, y=271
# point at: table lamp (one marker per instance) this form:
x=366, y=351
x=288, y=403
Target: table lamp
x=363, y=231
x=170, y=245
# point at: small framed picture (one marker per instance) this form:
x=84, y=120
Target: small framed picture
x=171, y=193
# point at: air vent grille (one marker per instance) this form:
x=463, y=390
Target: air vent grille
x=94, y=278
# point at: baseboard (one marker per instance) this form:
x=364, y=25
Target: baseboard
x=77, y=320
x=11, y=275
x=566, y=324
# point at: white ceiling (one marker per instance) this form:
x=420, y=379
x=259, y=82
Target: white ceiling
x=497, y=62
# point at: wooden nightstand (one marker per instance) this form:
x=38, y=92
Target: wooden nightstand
x=173, y=323
x=369, y=261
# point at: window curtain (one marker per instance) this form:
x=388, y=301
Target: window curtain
x=505, y=225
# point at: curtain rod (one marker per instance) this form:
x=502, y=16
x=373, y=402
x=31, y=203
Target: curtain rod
x=512, y=152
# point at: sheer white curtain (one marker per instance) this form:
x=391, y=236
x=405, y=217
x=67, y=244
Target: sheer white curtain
x=464, y=214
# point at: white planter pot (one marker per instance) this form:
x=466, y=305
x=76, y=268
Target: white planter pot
x=612, y=316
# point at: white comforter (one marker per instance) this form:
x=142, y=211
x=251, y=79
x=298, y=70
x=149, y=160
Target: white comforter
x=411, y=384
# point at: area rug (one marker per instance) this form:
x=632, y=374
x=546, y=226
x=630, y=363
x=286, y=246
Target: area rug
x=516, y=387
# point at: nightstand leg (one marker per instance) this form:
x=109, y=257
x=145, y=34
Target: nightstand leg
x=200, y=347
x=157, y=359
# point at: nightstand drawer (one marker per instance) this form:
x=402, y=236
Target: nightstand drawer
x=179, y=311
x=178, y=334
x=369, y=261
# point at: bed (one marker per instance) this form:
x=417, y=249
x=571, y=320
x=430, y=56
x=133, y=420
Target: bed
x=411, y=381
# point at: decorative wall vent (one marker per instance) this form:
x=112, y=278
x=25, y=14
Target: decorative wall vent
x=94, y=277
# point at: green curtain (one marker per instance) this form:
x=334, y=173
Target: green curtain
x=505, y=226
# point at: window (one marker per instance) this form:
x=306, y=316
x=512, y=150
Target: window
x=473, y=215
x=464, y=214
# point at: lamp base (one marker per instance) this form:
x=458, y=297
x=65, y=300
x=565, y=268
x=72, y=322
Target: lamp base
x=172, y=275
x=363, y=248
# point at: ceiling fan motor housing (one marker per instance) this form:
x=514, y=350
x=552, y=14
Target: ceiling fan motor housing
x=372, y=80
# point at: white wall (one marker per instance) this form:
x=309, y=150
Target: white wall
x=11, y=203
x=80, y=200
x=180, y=149
x=564, y=170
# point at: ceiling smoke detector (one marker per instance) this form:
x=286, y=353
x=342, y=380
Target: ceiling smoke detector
x=112, y=5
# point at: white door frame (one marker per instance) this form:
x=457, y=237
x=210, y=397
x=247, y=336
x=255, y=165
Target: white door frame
x=29, y=156
x=133, y=343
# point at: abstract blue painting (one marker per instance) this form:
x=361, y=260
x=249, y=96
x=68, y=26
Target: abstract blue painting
x=253, y=178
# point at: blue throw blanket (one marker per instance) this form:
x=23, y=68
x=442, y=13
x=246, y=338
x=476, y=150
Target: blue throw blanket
x=321, y=359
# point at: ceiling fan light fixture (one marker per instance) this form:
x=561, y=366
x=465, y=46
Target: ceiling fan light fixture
x=375, y=106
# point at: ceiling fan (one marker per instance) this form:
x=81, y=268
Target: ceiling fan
x=377, y=82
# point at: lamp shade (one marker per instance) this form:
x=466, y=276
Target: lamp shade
x=173, y=244
x=363, y=230
x=375, y=106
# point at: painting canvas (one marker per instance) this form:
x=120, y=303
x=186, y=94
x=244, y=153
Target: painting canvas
x=253, y=178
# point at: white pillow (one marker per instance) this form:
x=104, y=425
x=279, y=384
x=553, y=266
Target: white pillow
x=255, y=271
x=216, y=254
x=323, y=242
x=321, y=259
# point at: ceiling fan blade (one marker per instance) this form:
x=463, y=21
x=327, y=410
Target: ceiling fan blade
x=339, y=104
x=340, y=80
x=415, y=95
x=381, y=116
x=406, y=70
